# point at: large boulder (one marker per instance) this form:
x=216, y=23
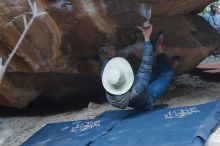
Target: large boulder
x=59, y=57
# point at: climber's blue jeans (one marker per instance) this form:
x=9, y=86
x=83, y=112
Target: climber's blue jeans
x=159, y=81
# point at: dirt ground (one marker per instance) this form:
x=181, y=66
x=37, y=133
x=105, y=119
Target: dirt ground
x=16, y=126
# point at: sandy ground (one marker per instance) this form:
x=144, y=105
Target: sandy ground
x=17, y=127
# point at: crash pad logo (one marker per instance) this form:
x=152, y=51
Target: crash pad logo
x=80, y=127
x=181, y=113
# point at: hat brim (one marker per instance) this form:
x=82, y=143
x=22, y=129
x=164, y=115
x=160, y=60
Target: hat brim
x=128, y=74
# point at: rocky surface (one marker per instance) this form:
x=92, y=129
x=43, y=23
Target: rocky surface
x=59, y=57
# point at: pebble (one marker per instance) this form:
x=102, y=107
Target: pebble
x=93, y=106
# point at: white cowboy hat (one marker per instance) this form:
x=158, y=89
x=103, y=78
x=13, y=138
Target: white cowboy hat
x=118, y=76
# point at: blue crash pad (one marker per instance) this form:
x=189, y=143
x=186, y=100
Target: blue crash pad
x=184, y=126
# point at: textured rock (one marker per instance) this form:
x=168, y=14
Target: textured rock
x=59, y=57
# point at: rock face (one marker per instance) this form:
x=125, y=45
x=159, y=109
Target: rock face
x=59, y=57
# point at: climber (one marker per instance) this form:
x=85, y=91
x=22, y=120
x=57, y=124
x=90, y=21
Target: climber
x=123, y=89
